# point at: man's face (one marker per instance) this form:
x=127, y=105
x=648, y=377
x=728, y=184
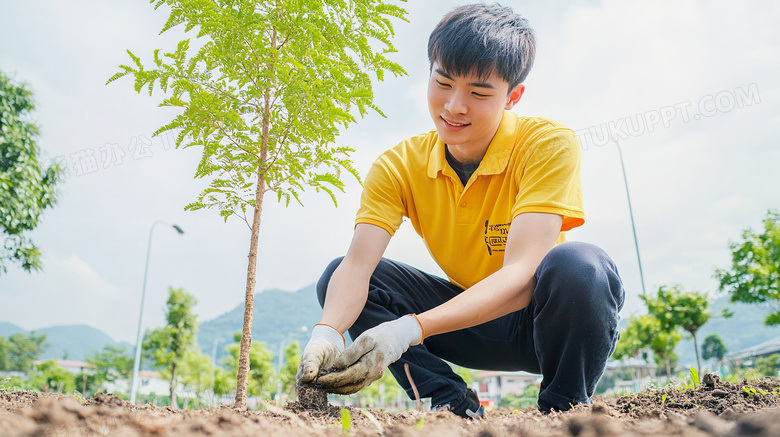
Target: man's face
x=467, y=110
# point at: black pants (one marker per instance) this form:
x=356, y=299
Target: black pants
x=566, y=333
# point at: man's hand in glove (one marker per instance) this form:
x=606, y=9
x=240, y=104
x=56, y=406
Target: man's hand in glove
x=320, y=353
x=366, y=359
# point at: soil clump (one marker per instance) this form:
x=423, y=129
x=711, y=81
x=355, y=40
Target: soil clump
x=314, y=401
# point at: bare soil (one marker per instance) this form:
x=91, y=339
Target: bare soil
x=714, y=408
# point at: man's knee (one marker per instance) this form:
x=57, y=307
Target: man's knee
x=322, y=284
x=583, y=271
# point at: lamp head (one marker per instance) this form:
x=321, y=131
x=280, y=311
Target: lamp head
x=178, y=229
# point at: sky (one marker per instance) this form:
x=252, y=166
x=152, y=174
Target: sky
x=689, y=90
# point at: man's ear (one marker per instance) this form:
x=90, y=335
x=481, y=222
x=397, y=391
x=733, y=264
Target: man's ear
x=514, y=96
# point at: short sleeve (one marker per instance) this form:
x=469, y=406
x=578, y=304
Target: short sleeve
x=381, y=202
x=549, y=180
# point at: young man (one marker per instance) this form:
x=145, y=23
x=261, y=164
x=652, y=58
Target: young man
x=491, y=194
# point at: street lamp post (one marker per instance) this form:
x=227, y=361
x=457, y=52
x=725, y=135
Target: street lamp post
x=214, y=371
x=631, y=214
x=137, y=362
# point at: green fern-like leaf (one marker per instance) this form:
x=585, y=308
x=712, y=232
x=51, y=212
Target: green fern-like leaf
x=194, y=206
x=126, y=70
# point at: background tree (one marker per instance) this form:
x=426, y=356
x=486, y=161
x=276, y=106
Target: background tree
x=196, y=373
x=645, y=333
x=27, y=187
x=25, y=349
x=754, y=276
x=713, y=348
x=768, y=366
x=675, y=308
x=292, y=357
x=51, y=377
x=5, y=348
x=261, y=365
x=464, y=372
x=265, y=96
x=171, y=343
x=224, y=381
x=380, y=391
x=635, y=341
x=663, y=345
x=528, y=398
x=110, y=364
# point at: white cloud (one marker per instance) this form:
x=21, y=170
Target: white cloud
x=70, y=292
x=88, y=279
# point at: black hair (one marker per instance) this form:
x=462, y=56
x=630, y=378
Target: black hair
x=481, y=39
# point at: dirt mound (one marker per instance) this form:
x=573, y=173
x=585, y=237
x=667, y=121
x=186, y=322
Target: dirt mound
x=10, y=401
x=725, y=399
x=106, y=399
x=713, y=409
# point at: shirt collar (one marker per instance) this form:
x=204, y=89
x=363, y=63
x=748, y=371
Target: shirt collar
x=496, y=157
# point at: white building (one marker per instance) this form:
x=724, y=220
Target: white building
x=76, y=367
x=494, y=385
x=148, y=382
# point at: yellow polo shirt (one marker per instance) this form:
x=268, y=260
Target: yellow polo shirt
x=532, y=165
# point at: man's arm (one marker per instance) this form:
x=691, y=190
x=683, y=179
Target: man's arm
x=345, y=299
x=531, y=236
x=348, y=287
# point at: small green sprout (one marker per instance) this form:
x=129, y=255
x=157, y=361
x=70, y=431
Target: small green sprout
x=694, y=376
x=663, y=399
x=346, y=421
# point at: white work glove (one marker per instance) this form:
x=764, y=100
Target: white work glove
x=366, y=359
x=320, y=353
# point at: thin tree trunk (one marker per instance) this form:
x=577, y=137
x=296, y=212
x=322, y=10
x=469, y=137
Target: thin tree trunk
x=242, y=379
x=173, y=386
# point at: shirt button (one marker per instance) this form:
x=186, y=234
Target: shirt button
x=463, y=204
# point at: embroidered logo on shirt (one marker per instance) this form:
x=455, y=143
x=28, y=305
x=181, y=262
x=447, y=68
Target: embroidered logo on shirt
x=495, y=237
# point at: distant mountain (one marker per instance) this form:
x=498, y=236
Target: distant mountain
x=75, y=342
x=279, y=318
x=71, y=342
x=744, y=329
x=8, y=329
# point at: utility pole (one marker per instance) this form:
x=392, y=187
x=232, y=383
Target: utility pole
x=631, y=214
x=138, y=339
